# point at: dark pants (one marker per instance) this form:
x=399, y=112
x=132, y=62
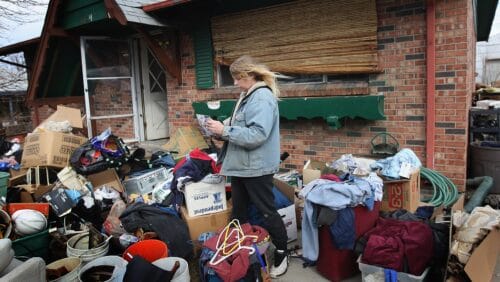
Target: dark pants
x=258, y=191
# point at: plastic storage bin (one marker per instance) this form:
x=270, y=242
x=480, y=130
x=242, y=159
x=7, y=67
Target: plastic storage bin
x=36, y=245
x=335, y=264
x=41, y=207
x=367, y=269
x=4, y=180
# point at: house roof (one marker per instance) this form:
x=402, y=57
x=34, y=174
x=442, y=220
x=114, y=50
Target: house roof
x=157, y=5
x=22, y=46
x=133, y=12
x=485, y=13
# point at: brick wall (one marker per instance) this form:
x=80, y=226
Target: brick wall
x=455, y=67
x=402, y=80
x=402, y=54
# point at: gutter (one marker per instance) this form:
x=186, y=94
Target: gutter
x=431, y=83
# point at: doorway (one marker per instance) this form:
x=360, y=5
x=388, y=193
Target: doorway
x=154, y=96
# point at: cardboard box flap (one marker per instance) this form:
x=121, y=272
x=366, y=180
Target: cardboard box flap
x=312, y=170
x=285, y=188
x=185, y=140
x=108, y=178
x=482, y=262
x=63, y=113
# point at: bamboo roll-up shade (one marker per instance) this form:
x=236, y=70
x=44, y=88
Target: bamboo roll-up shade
x=305, y=36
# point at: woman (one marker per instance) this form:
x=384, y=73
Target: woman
x=253, y=146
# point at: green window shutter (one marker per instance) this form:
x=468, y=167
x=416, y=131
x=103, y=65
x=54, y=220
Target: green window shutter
x=203, y=56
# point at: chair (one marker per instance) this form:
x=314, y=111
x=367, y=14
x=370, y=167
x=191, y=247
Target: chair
x=12, y=269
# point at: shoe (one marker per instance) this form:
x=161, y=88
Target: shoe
x=280, y=264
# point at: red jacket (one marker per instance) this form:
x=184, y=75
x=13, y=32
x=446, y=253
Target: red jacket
x=391, y=242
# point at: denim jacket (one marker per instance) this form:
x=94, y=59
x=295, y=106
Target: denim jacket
x=254, y=137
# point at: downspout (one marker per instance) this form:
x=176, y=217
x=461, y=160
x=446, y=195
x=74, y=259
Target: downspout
x=431, y=82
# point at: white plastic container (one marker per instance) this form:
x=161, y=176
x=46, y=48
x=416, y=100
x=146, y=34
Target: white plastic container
x=367, y=269
x=181, y=275
x=77, y=246
x=119, y=264
x=71, y=264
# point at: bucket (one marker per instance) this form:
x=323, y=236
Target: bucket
x=182, y=273
x=150, y=250
x=72, y=266
x=5, y=220
x=78, y=246
x=485, y=161
x=115, y=264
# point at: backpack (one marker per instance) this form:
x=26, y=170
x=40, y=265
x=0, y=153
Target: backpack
x=96, y=155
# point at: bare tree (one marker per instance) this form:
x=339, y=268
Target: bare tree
x=13, y=76
x=14, y=13
x=18, y=12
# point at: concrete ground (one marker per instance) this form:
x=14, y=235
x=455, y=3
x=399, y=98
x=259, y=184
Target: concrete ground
x=296, y=272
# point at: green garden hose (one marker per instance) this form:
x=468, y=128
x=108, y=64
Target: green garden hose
x=445, y=191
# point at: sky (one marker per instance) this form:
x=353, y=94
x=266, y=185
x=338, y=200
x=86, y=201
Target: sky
x=33, y=29
x=22, y=32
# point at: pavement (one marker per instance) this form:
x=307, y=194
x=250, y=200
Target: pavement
x=296, y=272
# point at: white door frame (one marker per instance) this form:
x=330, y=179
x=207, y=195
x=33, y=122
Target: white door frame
x=141, y=72
x=88, y=114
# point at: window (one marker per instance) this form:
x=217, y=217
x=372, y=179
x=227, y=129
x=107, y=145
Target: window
x=225, y=78
x=301, y=78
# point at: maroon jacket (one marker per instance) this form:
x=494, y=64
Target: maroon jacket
x=391, y=242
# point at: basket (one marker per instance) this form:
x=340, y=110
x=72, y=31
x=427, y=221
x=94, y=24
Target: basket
x=367, y=269
x=4, y=180
x=36, y=245
x=385, y=148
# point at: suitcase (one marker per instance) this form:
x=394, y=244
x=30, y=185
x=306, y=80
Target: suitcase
x=335, y=264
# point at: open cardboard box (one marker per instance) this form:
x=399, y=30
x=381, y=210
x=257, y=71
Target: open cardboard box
x=184, y=141
x=50, y=148
x=482, y=263
x=63, y=113
x=288, y=214
x=107, y=178
x=402, y=194
x=312, y=170
x=205, y=223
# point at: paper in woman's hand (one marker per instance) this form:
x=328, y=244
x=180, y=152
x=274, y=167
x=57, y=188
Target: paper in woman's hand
x=202, y=119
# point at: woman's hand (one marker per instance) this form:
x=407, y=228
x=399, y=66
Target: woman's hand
x=214, y=126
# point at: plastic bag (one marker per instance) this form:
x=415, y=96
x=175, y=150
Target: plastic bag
x=112, y=225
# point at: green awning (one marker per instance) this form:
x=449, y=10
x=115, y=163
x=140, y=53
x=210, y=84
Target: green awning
x=331, y=109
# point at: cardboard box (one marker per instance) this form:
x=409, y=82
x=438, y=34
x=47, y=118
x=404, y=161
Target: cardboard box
x=205, y=223
x=50, y=148
x=17, y=176
x=288, y=214
x=62, y=113
x=205, y=198
x=312, y=170
x=482, y=262
x=402, y=194
x=107, y=178
x=185, y=140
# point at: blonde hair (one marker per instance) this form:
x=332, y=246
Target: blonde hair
x=246, y=66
